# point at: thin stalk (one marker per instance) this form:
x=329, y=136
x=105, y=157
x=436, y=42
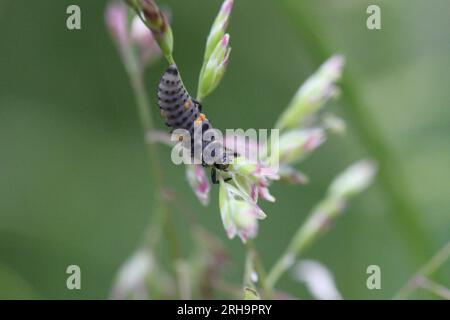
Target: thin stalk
x=163, y=217
x=435, y=288
x=296, y=247
x=391, y=177
x=256, y=262
x=306, y=234
x=248, y=270
x=426, y=271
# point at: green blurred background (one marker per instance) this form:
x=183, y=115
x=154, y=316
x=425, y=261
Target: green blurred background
x=75, y=187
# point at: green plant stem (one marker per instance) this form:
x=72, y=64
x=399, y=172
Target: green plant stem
x=248, y=270
x=435, y=288
x=163, y=217
x=257, y=265
x=391, y=176
x=325, y=212
x=426, y=271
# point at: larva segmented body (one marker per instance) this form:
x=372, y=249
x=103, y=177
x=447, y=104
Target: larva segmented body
x=180, y=111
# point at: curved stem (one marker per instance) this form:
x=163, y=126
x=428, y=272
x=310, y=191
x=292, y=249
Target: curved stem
x=434, y=288
x=426, y=271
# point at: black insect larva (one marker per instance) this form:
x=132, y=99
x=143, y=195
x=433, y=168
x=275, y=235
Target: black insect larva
x=180, y=111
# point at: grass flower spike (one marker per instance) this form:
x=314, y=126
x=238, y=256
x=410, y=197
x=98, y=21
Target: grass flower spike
x=215, y=68
x=244, y=165
x=217, y=53
x=218, y=28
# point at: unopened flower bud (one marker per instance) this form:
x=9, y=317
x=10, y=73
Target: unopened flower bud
x=218, y=28
x=263, y=192
x=116, y=20
x=313, y=94
x=239, y=217
x=141, y=35
x=353, y=180
x=291, y=175
x=245, y=219
x=214, y=68
x=334, y=124
x=158, y=23
x=294, y=145
x=198, y=181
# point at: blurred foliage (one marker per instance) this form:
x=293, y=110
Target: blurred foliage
x=74, y=181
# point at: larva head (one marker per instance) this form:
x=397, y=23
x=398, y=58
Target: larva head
x=225, y=163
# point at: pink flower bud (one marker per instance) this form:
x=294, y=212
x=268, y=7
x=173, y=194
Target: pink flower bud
x=225, y=40
x=296, y=144
x=353, y=180
x=313, y=94
x=116, y=21
x=265, y=194
x=141, y=35
x=198, y=181
x=226, y=8
x=291, y=175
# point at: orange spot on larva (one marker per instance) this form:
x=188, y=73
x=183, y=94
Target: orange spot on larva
x=187, y=104
x=200, y=118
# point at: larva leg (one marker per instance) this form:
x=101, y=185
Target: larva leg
x=199, y=105
x=214, y=176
